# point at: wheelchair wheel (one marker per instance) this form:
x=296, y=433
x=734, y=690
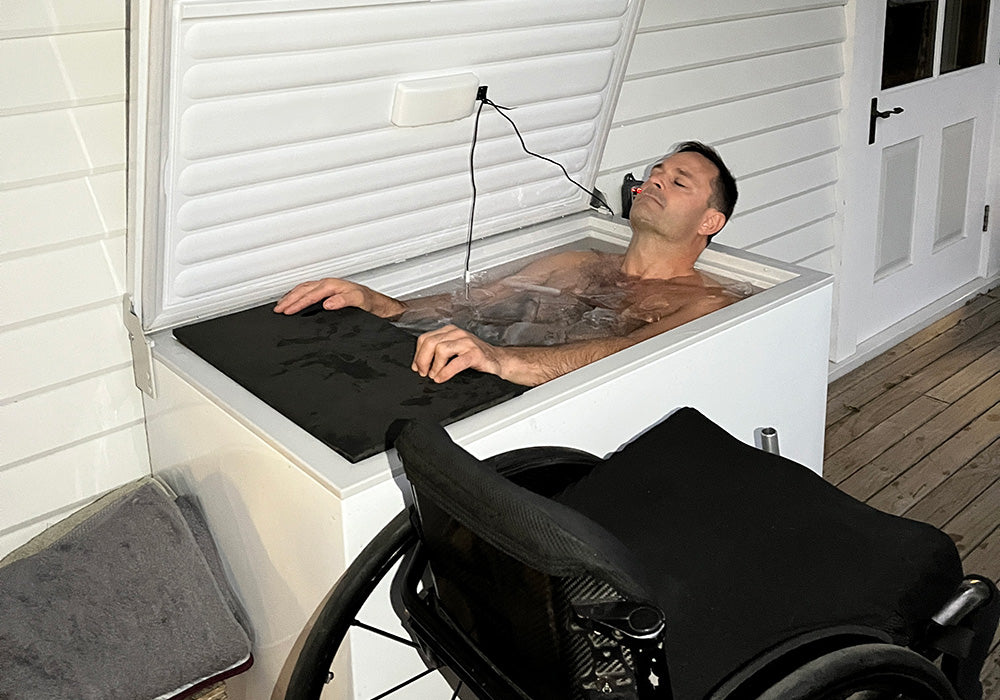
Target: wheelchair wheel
x=544, y=470
x=340, y=611
x=865, y=672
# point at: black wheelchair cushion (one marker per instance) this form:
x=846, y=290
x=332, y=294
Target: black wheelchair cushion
x=747, y=549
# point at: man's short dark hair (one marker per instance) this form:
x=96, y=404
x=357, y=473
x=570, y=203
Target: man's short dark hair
x=724, y=192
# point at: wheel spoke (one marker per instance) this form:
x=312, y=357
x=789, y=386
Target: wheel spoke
x=383, y=633
x=404, y=684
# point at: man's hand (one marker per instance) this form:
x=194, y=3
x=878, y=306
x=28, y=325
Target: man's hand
x=443, y=353
x=338, y=294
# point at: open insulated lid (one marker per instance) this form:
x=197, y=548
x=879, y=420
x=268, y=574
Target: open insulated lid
x=293, y=139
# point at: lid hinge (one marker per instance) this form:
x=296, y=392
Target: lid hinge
x=142, y=349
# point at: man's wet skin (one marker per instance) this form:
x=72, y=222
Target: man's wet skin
x=588, y=296
x=687, y=199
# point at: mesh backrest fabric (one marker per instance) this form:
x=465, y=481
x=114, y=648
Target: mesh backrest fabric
x=534, y=530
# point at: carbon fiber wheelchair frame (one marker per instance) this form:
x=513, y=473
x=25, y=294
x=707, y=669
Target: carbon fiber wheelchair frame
x=513, y=625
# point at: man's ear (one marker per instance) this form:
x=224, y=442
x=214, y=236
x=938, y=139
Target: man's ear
x=712, y=223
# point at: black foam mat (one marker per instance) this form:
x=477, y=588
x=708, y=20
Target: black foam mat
x=343, y=376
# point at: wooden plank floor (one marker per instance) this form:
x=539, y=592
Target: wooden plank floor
x=916, y=432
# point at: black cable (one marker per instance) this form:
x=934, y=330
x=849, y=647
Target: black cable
x=500, y=110
x=483, y=100
x=472, y=208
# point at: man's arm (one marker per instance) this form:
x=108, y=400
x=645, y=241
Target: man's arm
x=339, y=294
x=443, y=353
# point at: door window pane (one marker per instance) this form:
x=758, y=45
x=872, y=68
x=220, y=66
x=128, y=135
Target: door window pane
x=964, y=41
x=908, y=51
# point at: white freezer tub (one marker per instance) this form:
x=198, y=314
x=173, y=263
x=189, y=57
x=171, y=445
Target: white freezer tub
x=266, y=148
x=289, y=513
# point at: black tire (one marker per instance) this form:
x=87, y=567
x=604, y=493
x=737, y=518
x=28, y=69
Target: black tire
x=865, y=671
x=343, y=603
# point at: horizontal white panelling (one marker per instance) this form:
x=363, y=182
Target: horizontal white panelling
x=94, y=63
x=207, y=128
x=64, y=71
x=62, y=349
x=635, y=142
x=19, y=18
x=58, y=281
x=102, y=130
x=348, y=199
x=800, y=243
x=61, y=213
x=383, y=150
x=822, y=261
x=672, y=49
x=41, y=145
x=285, y=71
x=786, y=215
x=68, y=414
x=40, y=86
x=767, y=188
x=229, y=275
x=708, y=85
x=53, y=145
x=311, y=31
x=770, y=149
x=666, y=14
x=71, y=475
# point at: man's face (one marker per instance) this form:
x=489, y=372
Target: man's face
x=674, y=199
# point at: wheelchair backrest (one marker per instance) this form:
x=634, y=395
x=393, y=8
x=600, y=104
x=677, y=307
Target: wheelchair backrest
x=508, y=564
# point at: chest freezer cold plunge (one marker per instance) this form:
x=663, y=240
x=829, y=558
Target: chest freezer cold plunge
x=263, y=152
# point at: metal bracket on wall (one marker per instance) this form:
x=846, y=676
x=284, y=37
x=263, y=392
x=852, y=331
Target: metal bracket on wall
x=142, y=349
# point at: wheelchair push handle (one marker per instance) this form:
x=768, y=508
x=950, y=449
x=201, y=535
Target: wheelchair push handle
x=971, y=594
x=767, y=439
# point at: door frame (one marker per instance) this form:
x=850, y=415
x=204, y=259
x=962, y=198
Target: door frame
x=861, y=81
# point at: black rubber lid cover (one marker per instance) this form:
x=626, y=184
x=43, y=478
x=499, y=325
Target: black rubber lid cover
x=343, y=376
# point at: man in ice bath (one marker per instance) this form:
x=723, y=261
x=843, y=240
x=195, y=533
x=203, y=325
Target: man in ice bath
x=687, y=199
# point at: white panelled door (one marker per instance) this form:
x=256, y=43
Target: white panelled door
x=926, y=159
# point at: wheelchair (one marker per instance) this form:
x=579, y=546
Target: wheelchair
x=686, y=565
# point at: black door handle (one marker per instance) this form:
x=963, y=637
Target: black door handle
x=876, y=115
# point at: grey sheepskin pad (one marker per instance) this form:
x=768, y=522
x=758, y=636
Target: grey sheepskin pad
x=117, y=601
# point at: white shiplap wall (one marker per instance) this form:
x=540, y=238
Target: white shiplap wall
x=760, y=80
x=70, y=415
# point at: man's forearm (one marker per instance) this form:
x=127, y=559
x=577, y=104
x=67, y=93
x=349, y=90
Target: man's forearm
x=386, y=306
x=532, y=366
